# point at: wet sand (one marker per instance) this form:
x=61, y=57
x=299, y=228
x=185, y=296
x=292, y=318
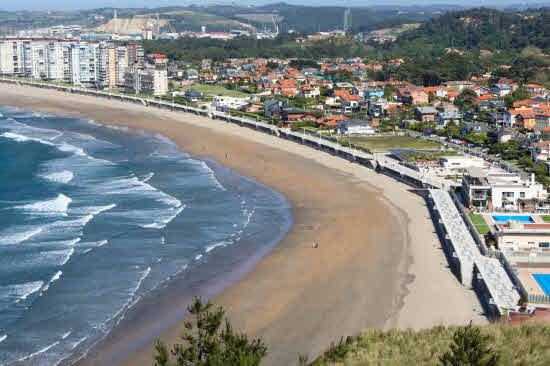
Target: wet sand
x=378, y=264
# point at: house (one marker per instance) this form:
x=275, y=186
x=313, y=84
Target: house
x=372, y=93
x=296, y=115
x=484, y=190
x=425, y=113
x=191, y=95
x=446, y=107
x=191, y=74
x=226, y=102
x=309, y=91
x=526, y=119
x=274, y=107
x=208, y=78
x=501, y=89
x=413, y=95
x=510, y=116
x=444, y=118
x=355, y=126
x=535, y=89
x=542, y=118
x=540, y=151
x=474, y=127
x=393, y=110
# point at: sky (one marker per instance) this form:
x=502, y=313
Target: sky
x=91, y=4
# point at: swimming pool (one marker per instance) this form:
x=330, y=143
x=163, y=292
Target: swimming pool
x=544, y=282
x=506, y=218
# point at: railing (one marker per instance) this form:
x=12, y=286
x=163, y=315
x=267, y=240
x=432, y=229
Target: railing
x=539, y=299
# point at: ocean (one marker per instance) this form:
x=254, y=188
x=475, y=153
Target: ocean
x=95, y=219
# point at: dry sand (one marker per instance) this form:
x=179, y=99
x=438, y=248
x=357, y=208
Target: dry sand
x=379, y=261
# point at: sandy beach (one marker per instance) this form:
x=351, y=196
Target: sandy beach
x=379, y=262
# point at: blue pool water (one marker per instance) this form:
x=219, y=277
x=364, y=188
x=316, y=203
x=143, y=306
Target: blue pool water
x=506, y=218
x=544, y=282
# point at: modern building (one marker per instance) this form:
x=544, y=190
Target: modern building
x=225, y=102
x=355, y=127
x=484, y=190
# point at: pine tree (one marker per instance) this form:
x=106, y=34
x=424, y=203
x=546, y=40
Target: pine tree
x=205, y=344
x=469, y=348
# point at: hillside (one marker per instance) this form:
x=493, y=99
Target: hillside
x=525, y=345
x=477, y=29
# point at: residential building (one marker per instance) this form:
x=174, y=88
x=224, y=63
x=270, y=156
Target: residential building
x=501, y=90
x=414, y=95
x=442, y=119
x=425, y=113
x=225, y=102
x=540, y=151
x=355, y=127
x=146, y=81
x=484, y=190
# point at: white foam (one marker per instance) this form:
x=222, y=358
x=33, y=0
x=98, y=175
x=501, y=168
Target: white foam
x=198, y=257
x=56, y=206
x=75, y=344
x=68, y=256
x=147, y=177
x=87, y=251
x=54, y=278
x=215, y=245
x=102, y=243
x=161, y=224
x=70, y=242
x=45, y=349
x=19, y=237
x=22, y=138
x=66, y=335
x=23, y=291
x=212, y=176
x=3, y=338
x=248, y=218
x=64, y=176
x=94, y=123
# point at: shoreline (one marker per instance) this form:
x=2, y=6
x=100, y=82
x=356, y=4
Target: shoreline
x=379, y=275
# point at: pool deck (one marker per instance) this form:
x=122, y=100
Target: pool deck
x=525, y=275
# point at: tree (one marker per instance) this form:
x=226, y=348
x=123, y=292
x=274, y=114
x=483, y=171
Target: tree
x=469, y=348
x=465, y=100
x=205, y=345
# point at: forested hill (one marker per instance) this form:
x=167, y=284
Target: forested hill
x=477, y=29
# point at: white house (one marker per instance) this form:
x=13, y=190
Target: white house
x=499, y=190
x=229, y=102
x=355, y=127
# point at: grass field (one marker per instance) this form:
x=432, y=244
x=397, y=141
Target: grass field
x=215, y=90
x=528, y=344
x=480, y=224
x=393, y=142
x=545, y=218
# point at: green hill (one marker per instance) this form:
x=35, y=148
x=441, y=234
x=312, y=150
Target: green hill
x=476, y=29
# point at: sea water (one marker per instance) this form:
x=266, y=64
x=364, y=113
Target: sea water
x=94, y=218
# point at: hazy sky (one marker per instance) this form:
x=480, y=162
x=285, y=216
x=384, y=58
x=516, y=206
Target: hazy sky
x=90, y=4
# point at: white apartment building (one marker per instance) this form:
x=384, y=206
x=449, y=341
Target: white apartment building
x=11, y=56
x=499, y=190
x=70, y=61
x=148, y=81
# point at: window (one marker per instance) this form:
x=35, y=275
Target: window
x=522, y=194
x=544, y=244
